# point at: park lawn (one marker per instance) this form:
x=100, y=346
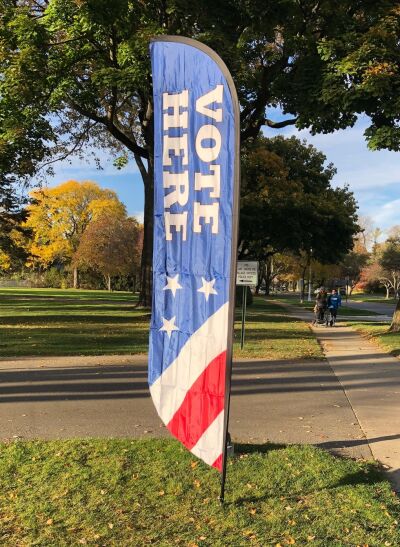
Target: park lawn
x=271, y=334
x=71, y=322
x=378, y=332
x=46, y=322
x=154, y=492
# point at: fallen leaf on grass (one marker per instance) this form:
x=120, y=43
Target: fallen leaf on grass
x=110, y=525
x=49, y=522
x=197, y=483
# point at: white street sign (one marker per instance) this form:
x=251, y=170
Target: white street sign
x=247, y=273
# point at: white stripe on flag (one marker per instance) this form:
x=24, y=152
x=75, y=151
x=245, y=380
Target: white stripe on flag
x=209, y=446
x=209, y=341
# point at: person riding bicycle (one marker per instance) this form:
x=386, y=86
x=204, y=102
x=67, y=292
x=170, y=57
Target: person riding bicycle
x=321, y=304
x=334, y=302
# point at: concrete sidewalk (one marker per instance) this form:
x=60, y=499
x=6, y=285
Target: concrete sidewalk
x=371, y=381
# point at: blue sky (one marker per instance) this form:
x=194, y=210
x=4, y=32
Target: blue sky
x=374, y=177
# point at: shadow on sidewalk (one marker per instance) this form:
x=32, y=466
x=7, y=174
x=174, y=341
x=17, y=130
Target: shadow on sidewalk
x=130, y=381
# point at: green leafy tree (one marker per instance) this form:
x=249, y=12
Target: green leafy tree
x=12, y=216
x=288, y=204
x=77, y=72
x=390, y=261
x=352, y=266
x=362, y=71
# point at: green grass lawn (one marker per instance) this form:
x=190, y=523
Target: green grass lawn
x=271, y=334
x=68, y=322
x=42, y=322
x=378, y=332
x=153, y=492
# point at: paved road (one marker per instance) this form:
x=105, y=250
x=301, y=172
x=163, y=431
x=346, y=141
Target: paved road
x=281, y=401
x=383, y=307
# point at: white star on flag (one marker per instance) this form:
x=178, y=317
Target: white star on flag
x=169, y=326
x=207, y=288
x=172, y=284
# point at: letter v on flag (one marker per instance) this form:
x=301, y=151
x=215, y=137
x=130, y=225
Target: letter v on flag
x=196, y=187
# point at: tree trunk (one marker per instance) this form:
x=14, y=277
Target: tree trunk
x=387, y=292
x=134, y=284
x=109, y=283
x=303, y=284
x=147, y=252
x=269, y=271
x=395, y=326
x=76, y=282
x=261, y=267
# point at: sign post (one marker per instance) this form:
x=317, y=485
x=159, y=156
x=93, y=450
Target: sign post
x=247, y=276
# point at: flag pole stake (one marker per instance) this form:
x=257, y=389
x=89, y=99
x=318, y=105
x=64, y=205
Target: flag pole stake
x=232, y=287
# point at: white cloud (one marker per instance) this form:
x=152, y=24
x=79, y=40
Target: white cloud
x=388, y=214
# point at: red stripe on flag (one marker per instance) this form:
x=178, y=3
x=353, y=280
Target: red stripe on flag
x=218, y=463
x=202, y=404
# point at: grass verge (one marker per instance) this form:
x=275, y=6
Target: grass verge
x=46, y=322
x=378, y=332
x=153, y=492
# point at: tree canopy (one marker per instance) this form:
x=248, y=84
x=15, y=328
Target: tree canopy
x=289, y=205
x=110, y=245
x=12, y=215
x=77, y=73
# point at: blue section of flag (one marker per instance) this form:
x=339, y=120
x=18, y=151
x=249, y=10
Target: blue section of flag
x=203, y=257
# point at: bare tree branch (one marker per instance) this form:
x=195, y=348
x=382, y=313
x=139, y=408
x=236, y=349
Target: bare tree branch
x=279, y=125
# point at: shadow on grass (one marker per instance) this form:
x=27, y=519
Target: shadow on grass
x=370, y=474
x=49, y=319
x=276, y=334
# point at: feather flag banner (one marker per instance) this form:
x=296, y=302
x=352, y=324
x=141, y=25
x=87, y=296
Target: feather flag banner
x=196, y=178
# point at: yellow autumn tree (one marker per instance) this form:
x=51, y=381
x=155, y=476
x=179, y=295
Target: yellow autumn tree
x=5, y=261
x=59, y=216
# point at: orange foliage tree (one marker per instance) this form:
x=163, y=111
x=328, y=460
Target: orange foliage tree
x=112, y=246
